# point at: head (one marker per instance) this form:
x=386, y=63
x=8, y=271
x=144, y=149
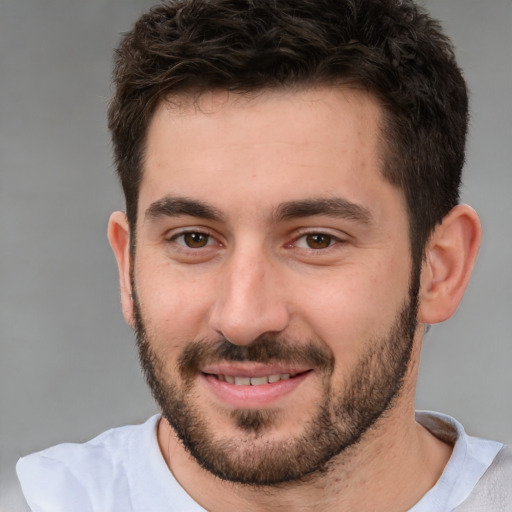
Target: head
x=389, y=48
x=286, y=165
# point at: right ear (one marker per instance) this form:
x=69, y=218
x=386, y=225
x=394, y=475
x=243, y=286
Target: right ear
x=119, y=238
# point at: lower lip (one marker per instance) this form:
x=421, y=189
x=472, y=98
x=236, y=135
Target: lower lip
x=247, y=397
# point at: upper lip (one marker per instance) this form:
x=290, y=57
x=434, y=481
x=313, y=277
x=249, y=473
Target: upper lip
x=252, y=369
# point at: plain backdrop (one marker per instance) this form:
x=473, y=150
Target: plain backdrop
x=68, y=365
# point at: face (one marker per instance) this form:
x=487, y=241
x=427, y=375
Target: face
x=273, y=300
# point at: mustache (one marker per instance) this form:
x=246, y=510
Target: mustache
x=265, y=349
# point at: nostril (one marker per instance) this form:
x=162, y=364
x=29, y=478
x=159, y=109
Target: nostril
x=245, y=310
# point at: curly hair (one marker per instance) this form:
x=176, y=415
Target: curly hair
x=391, y=48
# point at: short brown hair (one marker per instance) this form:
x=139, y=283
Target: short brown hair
x=391, y=48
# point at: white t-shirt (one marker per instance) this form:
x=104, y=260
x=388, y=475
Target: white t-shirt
x=123, y=470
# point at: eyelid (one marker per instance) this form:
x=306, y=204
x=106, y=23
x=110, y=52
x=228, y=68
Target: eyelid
x=174, y=234
x=337, y=238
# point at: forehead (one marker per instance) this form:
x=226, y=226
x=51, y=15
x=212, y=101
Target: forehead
x=265, y=149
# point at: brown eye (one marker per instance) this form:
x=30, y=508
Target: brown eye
x=318, y=241
x=196, y=240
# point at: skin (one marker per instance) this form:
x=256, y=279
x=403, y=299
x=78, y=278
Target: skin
x=245, y=158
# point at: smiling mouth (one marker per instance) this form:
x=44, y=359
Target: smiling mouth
x=255, y=381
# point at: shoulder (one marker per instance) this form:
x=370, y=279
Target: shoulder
x=497, y=480
x=505, y=455
x=470, y=465
x=101, y=454
x=60, y=477
x=493, y=492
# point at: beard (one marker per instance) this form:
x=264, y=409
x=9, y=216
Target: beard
x=342, y=418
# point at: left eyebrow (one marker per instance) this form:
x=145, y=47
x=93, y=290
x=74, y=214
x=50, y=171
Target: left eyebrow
x=176, y=206
x=330, y=207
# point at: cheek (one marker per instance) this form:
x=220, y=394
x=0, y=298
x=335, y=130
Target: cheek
x=356, y=307
x=173, y=305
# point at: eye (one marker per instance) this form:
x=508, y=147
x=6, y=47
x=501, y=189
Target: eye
x=194, y=239
x=316, y=241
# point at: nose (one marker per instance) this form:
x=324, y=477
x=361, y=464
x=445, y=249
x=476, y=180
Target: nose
x=250, y=300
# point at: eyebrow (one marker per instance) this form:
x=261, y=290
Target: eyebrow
x=177, y=206
x=332, y=207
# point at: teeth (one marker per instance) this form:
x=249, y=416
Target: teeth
x=258, y=381
x=254, y=381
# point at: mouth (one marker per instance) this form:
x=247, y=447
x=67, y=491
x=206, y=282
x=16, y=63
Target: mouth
x=253, y=387
x=255, y=381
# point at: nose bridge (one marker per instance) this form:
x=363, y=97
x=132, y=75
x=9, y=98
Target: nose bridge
x=250, y=301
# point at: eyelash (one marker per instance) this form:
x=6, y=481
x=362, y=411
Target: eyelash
x=174, y=238
x=329, y=238
x=332, y=241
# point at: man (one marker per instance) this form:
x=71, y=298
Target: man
x=291, y=172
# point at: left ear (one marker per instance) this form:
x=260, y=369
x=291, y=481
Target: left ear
x=450, y=255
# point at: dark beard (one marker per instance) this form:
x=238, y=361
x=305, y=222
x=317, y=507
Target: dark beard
x=344, y=416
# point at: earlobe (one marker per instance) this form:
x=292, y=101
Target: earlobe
x=450, y=256
x=119, y=238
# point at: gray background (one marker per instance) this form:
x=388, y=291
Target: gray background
x=68, y=366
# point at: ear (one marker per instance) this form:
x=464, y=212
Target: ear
x=449, y=259
x=119, y=238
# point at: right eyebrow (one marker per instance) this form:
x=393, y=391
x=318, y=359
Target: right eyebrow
x=332, y=207
x=170, y=206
